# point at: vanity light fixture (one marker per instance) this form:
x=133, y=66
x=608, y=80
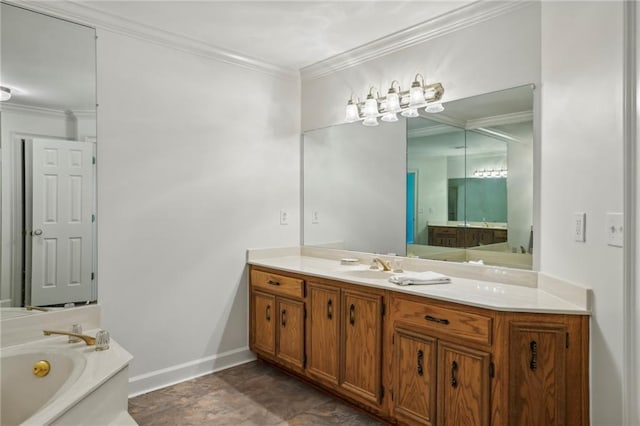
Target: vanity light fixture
x=396, y=101
x=490, y=173
x=5, y=93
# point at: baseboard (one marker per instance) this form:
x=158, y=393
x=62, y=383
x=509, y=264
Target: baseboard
x=159, y=379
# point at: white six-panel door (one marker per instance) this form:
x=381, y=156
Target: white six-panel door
x=62, y=175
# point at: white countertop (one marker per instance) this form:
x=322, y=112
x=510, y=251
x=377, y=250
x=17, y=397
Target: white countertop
x=473, y=292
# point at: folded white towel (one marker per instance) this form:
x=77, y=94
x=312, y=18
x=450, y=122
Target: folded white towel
x=416, y=278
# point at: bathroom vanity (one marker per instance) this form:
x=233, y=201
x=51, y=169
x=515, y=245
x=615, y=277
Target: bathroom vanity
x=469, y=352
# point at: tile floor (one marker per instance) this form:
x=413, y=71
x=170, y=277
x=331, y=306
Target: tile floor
x=250, y=394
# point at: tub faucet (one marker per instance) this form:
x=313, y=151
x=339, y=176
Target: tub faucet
x=382, y=263
x=90, y=341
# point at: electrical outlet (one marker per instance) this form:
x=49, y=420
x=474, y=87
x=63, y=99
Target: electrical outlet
x=315, y=218
x=284, y=217
x=615, y=229
x=579, y=223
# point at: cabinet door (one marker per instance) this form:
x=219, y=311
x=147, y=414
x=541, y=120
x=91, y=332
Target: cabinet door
x=537, y=374
x=323, y=332
x=290, y=338
x=463, y=386
x=414, y=374
x=264, y=319
x=362, y=345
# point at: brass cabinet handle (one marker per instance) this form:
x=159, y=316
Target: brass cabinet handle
x=330, y=309
x=268, y=312
x=533, y=364
x=352, y=314
x=438, y=320
x=272, y=282
x=454, y=373
x=420, y=359
x=284, y=317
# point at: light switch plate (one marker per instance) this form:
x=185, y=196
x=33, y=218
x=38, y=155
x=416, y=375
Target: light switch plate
x=615, y=229
x=579, y=227
x=284, y=217
x=315, y=217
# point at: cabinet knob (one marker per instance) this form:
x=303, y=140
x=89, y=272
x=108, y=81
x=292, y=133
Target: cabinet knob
x=533, y=364
x=454, y=374
x=352, y=314
x=283, y=317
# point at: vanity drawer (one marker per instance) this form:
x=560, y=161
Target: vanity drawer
x=277, y=284
x=456, y=322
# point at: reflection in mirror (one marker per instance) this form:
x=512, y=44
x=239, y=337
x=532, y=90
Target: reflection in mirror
x=354, y=183
x=48, y=135
x=474, y=181
x=464, y=191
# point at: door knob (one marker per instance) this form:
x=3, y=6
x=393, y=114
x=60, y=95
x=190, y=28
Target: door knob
x=37, y=232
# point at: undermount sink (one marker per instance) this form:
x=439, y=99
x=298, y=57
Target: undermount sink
x=370, y=274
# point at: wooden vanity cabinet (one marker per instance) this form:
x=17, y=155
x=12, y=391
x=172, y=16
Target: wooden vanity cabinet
x=361, y=345
x=442, y=363
x=323, y=332
x=548, y=365
x=277, y=316
x=419, y=361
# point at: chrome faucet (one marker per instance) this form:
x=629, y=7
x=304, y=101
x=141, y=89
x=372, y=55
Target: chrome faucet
x=384, y=265
x=90, y=341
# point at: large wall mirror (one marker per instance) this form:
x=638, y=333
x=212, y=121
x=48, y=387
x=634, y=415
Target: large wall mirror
x=457, y=185
x=48, y=138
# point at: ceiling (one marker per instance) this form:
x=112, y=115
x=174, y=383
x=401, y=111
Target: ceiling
x=290, y=34
x=50, y=63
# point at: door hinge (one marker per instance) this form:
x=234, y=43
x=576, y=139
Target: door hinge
x=381, y=391
x=304, y=290
x=305, y=313
x=383, y=309
x=93, y=218
x=93, y=159
x=93, y=276
x=492, y=370
x=566, y=342
x=393, y=339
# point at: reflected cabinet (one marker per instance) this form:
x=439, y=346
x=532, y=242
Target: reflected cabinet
x=414, y=360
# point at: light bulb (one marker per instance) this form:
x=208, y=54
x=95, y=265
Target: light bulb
x=370, y=107
x=5, y=93
x=434, y=108
x=410, y=113
x=370, y=121
x=352, y=112
x=393, y=101
x=416, y=95
x=389, y=116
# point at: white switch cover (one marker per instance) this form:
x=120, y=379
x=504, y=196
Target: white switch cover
x=315, y=218
x=579, y=227
x=615, y=229
x=284, y=217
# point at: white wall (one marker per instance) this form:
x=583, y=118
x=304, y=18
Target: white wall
x=195, y=160
x=580, y=135
x=355, y=179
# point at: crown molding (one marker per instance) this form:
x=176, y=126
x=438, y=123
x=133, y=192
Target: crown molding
x=449, y=22
x=499, y=120
x=81, y=13
x=28, y=109
x=430, y=131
